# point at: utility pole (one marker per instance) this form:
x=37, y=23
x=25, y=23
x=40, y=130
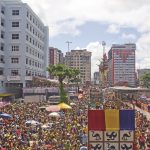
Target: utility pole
x=68, y=42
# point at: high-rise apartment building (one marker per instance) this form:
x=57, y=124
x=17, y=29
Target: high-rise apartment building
x=55, y=56
x=23, y=44
x=121, y=65
x=81, y=60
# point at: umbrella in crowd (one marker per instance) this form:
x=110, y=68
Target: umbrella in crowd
x=53, y=108
x=43, y=107
x=32, y=122
x=5, y=116
x=64, y=106
x=72, y=104
x=2, y=104
x=54, y=114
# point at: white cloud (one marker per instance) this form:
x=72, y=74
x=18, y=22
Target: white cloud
x=97, y=53
x=113, y=29
x=128, y=36
x=67, y=16
x=96, y=50
x=74, y=13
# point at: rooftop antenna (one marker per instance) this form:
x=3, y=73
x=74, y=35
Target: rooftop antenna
x=68, y=42
x=103, y=44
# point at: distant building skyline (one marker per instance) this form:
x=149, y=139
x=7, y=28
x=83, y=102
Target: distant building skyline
x=81, y=60
x=96, y=78
x=55, y=57
x=121, y=65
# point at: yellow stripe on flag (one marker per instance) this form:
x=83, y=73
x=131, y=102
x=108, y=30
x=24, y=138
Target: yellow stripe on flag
x=112, y=119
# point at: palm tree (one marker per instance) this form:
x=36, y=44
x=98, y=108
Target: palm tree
x=61, y=71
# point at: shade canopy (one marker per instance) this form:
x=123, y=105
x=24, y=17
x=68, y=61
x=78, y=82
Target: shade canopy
x=64, y=106
x=5, y=116
x=32, y=122
x=53, y=108
x=3, y=104
x=72, y=104
x=43, y=107
x=54, y=114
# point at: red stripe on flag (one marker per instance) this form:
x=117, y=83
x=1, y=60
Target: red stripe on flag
x=96, y=120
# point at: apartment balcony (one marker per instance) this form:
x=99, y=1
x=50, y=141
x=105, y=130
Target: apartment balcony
x=14, y=78
x=2, y=77
x=28, y=78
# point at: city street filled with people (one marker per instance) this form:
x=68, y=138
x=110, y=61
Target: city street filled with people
x=29, y=126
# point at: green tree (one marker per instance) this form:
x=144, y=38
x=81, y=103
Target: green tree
x=76, y=81
x=62, y=72
x=146, y=80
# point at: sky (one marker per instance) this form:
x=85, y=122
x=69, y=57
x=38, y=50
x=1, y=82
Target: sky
x=86, y=23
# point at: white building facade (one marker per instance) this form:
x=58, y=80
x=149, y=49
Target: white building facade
x=23, y=44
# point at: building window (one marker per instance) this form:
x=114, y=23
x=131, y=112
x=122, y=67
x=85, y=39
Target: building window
x=3, y=10
x=30, y=17
x=26, y=60
x=15, y=48
x=2, y=47
x=14, y=72
x=30, y=28
x=27, y=14
x=15, y=24
x=2, y=34
x=14, y=60
x=2, y=22
x=2, y=59
x=27, y=49
x=30, y=62
x=27, y=25
x=1, y=72
x=27, y=37
x=15, y=12
x=15, y=36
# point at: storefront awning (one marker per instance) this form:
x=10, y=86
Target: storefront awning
x=5, y=94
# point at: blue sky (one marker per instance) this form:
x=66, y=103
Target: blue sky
x=86, y=23
x=91, y=32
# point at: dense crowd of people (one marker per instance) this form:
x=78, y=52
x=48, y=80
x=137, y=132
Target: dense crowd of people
x=67, y=132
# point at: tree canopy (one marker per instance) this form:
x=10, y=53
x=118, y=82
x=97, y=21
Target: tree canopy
x=146, y=80
x=62, y=72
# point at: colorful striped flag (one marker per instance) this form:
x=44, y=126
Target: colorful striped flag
x=111, y=120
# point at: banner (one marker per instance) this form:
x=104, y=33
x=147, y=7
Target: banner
x=111, y=129
x=111, y=120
